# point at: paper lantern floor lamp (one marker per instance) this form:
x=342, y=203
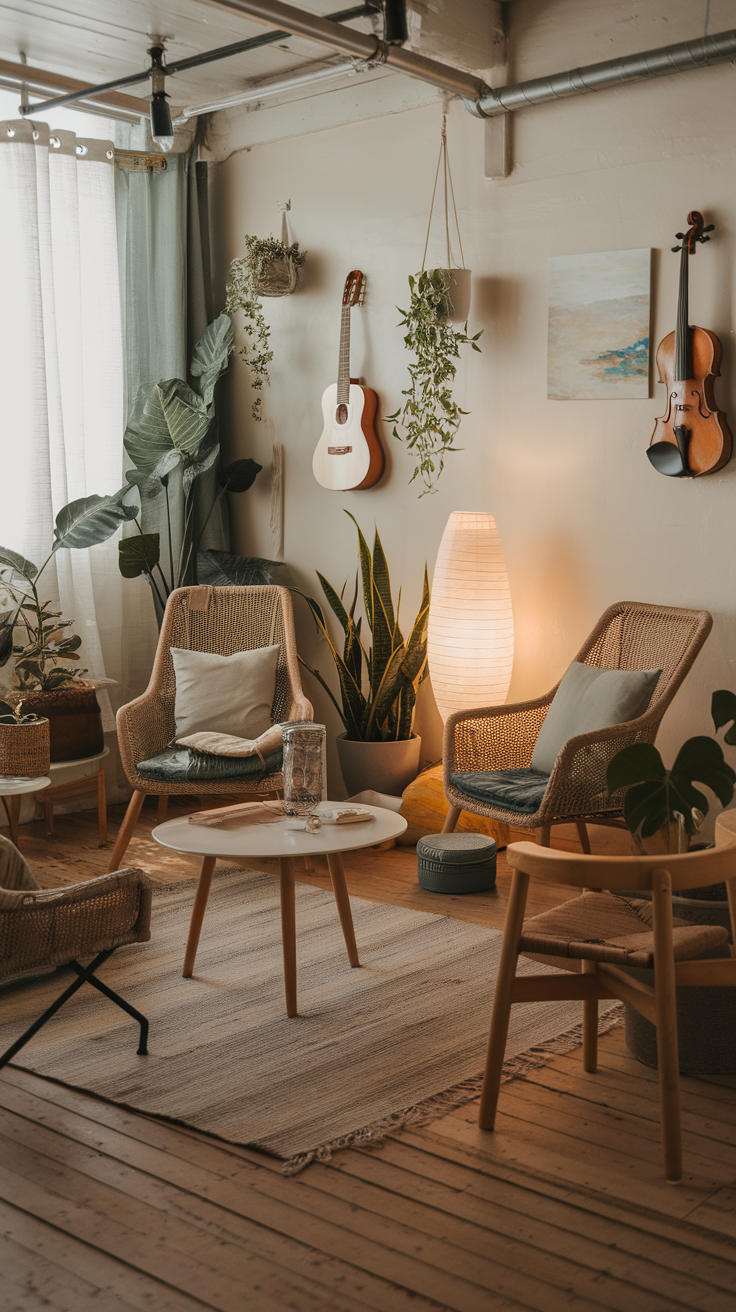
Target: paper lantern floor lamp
x=471, y=624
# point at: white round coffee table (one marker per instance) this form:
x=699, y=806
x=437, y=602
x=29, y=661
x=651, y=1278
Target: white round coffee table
x=14, y=786
x=286, y=839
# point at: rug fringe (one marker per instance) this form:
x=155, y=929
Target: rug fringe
x=440, y=1104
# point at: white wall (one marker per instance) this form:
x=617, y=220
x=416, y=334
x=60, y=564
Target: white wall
x=584, y=518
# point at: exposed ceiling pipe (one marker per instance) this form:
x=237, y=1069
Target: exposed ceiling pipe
x=703, y=53
x=272, y=13
x=39, y=81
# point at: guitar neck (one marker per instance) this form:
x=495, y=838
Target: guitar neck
x=343, y=368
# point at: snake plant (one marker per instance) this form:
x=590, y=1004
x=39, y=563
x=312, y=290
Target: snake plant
x=378, y=686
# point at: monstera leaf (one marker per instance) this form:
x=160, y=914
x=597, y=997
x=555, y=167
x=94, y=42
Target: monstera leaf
x=222, y=570
x=211, y=355
x=138, y=555
x=723, y=710
x=655, y=792
x=171, y=418
x=93, y=519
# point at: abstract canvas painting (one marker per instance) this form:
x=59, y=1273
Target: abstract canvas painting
x=598, y=337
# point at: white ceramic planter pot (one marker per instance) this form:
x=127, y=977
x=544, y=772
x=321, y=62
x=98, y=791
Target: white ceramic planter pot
x=385, y=767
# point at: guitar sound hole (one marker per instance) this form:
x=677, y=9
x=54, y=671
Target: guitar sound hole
x=341, y=414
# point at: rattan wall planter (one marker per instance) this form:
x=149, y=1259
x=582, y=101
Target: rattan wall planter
x=25, y=749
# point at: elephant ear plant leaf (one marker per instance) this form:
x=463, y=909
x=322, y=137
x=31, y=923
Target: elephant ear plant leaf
x=429, y=416
x=657, y=796
x=392, y=669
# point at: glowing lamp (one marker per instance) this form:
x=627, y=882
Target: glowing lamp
x=471, y=624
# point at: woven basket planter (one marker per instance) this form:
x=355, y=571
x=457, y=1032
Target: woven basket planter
x=25, y=749
x=278, y=277
x=74, y=718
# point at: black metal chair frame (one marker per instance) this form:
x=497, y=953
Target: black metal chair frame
x=85, y=975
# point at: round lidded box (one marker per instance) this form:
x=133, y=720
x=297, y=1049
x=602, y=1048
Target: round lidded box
x=456, y=863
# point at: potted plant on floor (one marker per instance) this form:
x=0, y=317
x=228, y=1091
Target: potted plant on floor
x=378, y=687
x=664, y=809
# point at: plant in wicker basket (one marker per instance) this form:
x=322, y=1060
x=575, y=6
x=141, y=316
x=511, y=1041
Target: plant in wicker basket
x=268, y=268
x=24, y=741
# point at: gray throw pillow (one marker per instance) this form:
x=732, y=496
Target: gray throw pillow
x=224, y=694
x=587, y=699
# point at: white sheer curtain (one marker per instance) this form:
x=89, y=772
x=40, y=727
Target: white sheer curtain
x=62, y=396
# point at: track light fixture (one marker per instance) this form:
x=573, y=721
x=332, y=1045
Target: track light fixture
x=162, y=130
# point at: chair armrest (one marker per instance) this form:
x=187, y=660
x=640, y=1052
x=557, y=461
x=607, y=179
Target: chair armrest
x=144, y=730
x=301, y=709
x=48, y=927
x=494, y=737
x=578, y=780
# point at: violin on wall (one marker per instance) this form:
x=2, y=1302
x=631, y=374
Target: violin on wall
x=692, y=437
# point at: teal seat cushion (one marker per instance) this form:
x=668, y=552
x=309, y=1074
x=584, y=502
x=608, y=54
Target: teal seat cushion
x=181, y=765
x=514, y=790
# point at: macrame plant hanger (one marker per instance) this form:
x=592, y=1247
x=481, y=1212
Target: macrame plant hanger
x=443, y=163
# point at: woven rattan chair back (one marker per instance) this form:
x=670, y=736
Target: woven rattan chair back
x=635, y=636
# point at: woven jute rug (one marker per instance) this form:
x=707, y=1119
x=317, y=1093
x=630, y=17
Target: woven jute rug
x=400, y=1040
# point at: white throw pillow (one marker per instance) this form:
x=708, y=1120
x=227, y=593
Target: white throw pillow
x=224, y=694
x=587, y=699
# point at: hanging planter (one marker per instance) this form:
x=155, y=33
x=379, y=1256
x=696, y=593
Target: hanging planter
x=268, y=268
x=439, y=297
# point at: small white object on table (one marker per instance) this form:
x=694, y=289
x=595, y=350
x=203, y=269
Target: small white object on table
x=13, y=787
x=286, y=838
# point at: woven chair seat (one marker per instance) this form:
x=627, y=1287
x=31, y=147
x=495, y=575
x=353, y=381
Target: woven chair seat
x=603, y=927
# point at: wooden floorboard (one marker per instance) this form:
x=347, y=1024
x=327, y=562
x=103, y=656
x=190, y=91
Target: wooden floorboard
x=563, y=1206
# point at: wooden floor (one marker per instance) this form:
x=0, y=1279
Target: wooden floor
x=564, y=1206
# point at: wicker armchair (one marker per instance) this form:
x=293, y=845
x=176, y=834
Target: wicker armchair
x=44, y=928
x=629, y=636
x=223, y=621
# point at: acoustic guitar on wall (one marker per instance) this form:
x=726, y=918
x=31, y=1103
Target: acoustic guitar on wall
x=349, y=455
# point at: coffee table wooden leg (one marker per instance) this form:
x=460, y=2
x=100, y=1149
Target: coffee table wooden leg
x=102, y=807
x=200, y=906
x=340, y=889
x=288, y=930
x=13, y=818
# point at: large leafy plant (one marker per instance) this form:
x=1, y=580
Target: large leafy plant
x=173, y=428
x=248, y=280
x=46, y=651
x=378, y=686
x=658, y=797
x=429, y=416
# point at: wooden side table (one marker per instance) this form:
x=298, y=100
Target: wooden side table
x=90, y=785
x=12, y=788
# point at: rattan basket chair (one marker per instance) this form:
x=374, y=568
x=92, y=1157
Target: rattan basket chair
x=631, y=635
x=41, y=928
x=223, y=621
x=603, y=933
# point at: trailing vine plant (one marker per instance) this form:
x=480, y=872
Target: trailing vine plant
x=260, y=273
x=429, y=416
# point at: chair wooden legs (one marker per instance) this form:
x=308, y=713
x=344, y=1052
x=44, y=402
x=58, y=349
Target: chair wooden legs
x=288, y=930
x=590, y=1026
x=204, y=884
x=339, y=888
x=665, y=1000
x=582, y=829
x=161, y=809
x=502, y=1000
x=543, y=835
x=126, y=831
x=451, y=819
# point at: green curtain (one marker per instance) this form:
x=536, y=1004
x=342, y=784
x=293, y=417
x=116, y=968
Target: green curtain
x=163, y=244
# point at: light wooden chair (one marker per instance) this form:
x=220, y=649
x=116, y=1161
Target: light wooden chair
x=41, y=928
x=597, y=934
x=220, y=620
x=631, y=635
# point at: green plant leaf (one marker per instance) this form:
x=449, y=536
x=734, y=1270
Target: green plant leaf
x=172, y=415
x=240, y=475
x=632, y=764
x=138, y=555
x=382, y=581
x=6, y=643
x=193, y=468
x=223, y=570
x=211, y=355
x=656, y=793
x=90, y=520
x=723, y=711
x=701, y=758
x=18, y=563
